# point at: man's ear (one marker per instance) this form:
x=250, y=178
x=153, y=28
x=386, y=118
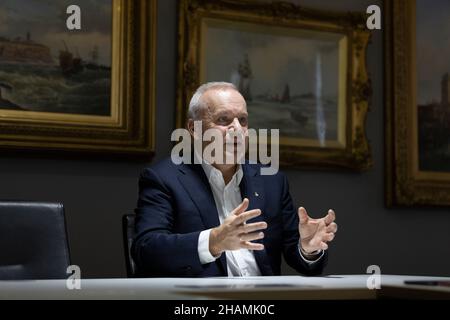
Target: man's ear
x=190, y=127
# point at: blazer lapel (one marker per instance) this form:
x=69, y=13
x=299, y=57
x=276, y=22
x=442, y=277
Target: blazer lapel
x=252, y=188
x=197, y=186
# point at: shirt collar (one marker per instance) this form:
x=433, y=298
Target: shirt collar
x=213, y=174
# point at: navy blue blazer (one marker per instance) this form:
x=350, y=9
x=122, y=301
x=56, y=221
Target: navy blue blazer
x=176, y=203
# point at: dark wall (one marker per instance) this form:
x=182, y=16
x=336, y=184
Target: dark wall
x=96, y=193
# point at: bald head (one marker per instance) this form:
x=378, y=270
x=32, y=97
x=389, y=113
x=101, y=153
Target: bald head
x=206, y=96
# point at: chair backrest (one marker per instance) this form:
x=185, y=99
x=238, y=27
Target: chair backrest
x=128, y=237
x=33, y=241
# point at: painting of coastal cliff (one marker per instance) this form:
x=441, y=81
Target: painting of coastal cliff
x=44, y=67
x=291, y=79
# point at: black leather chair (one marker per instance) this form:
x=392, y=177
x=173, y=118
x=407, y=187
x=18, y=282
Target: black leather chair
x=33, y=241
x=128, y=236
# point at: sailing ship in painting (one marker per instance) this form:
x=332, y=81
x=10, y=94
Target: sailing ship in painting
x=68, y=63
x=32, y=79
x=72, y=64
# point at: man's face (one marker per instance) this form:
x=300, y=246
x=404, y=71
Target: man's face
x=227, y=113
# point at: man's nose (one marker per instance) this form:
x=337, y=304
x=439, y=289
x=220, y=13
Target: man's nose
x=236, y=125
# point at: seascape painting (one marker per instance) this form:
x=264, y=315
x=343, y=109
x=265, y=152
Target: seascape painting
x=289, y=78
x=433, y=84
x=44, y=67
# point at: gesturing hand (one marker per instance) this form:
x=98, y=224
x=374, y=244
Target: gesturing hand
x=234, y=234
x=315, y=233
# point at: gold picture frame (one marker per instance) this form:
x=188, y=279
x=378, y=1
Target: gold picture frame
x=129, y=127
x=407, y=184
x=350, y=149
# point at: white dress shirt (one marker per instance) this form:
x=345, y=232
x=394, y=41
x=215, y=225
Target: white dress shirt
x=227, y=197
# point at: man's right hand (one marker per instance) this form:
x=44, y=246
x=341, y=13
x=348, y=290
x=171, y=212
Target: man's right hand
x=235, y=234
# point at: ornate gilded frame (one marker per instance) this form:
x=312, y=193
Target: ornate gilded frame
x=406, y=185
x=355, y=152
x=130, y=128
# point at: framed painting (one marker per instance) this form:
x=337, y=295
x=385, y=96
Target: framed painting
x=87, y=90
x=301, y=71
x=417, y=102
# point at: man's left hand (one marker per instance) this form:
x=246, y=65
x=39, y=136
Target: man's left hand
x=316, y=233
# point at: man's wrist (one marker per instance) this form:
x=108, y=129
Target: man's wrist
x=309, y=255
x=214, y=247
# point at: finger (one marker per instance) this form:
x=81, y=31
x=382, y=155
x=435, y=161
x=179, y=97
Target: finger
x=251, y=236
x=252, y=246
x=328, y=237
x=242, y=207
x=241, y=218
x=302, y=215
x=332, y=227
x=330, y=217
x=321, y=228
x=251, y=227
x=323, y=246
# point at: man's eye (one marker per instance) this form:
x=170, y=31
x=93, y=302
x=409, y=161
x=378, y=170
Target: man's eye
x=243, y=121
x=223, y=120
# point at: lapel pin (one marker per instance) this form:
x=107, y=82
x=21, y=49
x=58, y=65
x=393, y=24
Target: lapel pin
x=256, y=194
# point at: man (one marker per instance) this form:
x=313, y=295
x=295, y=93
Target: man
x=223, y=219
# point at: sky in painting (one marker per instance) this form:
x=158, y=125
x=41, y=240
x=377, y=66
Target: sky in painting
x=276, y=58
x=45, y=20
